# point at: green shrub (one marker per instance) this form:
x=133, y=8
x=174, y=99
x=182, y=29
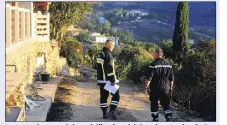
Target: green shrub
x=195, y=84
x=75, y=59
x=133, y=62
x=92, y=52
x=72, y=51
x=166, y=46
x=83, y=37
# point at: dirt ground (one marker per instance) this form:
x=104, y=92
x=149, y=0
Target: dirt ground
x=78, y=100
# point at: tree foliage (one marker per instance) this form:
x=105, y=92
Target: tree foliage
x=106, y=27
x=92, y=52
x=116, y=15
x=124, y=37
x=64, y=14
x=167, y=47
x=195, y=84
x=180, y=38
x=72, y=51
x=83, y=37
x=132, y=63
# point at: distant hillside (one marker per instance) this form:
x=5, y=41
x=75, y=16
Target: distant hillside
x=160, y=22
x=201, y=13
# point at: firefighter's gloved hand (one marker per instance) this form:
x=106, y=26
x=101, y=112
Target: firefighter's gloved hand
x=112, y=83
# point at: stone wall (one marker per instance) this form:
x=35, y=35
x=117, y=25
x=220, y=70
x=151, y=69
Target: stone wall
x=24, y=57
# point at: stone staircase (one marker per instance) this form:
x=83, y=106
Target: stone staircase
x=14, y=98
x=37, y=114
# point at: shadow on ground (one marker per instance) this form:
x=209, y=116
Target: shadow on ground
x=64, y=111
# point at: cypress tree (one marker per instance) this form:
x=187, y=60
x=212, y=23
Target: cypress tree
x=180, y=38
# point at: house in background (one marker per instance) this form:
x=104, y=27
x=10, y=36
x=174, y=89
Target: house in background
x=101, y=39
x=137, y=12
x=42, y=20
x=101, y=20
x=18, y=22
x=23, y=24
x=94, y=34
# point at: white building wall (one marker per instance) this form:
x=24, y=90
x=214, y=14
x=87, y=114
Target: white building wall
x=100, y=39
x=95, y=34
x=18, y=23
x=33, y=30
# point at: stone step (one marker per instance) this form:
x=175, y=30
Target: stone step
x=13, y=114
x=21, y=116
x=12, y=81
x=40, y=113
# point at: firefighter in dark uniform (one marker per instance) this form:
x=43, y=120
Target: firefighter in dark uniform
x=159, y=84
x=106, y=72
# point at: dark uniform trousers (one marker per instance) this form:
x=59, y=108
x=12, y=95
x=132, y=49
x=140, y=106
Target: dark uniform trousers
x=164, y=98
x=104, y=94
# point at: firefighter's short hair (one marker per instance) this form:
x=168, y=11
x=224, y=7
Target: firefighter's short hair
x=108, y=41
x=159, y=51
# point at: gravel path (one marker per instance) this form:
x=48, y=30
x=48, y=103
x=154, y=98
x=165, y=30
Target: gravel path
x=79, y=101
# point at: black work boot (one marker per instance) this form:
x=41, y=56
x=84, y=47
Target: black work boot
x=105, y=115
x=112, y=115
x=168, y=117
x=155, y=117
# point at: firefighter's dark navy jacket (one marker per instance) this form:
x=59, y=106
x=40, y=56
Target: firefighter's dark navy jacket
x=160, y=74
x=105, y=67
